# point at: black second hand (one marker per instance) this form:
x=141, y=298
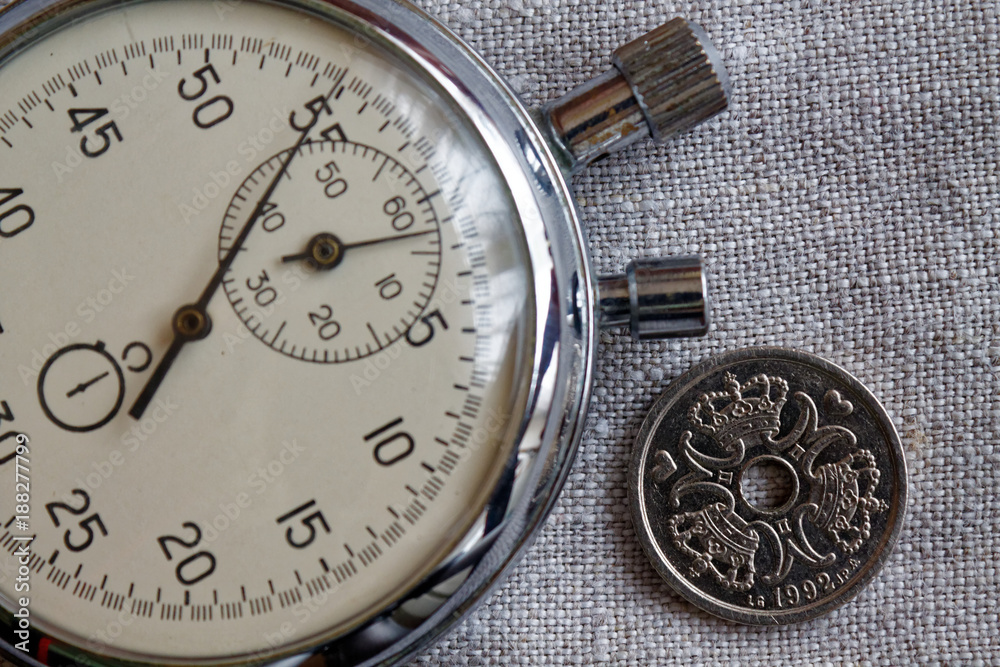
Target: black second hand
x=179, y=341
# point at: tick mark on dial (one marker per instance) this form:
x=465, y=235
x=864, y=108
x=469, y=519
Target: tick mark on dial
x=277, y=334
x=379, y=172
x=427, y=198
x=374, y=335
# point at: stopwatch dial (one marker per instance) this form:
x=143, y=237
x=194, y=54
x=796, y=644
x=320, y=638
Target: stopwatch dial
x=256, y=505
x=344, y=205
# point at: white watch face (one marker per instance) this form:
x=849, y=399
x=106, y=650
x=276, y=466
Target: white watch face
x=292, y=453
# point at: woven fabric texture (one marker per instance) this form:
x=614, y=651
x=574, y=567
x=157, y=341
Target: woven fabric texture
x=847, y=206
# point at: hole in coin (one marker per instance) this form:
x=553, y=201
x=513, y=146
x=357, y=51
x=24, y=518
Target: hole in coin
x=768, y=484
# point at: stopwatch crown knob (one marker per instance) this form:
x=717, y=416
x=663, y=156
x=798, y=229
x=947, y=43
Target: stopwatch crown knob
x=657, y=297
x=663, y=83
x=676, y=76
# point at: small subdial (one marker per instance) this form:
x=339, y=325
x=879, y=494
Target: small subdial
x=345, y=254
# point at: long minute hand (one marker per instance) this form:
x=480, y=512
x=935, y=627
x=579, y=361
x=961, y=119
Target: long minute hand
x=192, y=322
x=323, y=248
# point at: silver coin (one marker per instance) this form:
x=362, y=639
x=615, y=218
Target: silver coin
x=768, y=486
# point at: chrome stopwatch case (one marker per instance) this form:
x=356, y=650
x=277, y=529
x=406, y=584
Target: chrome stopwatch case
x=296, y=320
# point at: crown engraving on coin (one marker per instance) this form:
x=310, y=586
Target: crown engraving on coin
x=767, y=485
x=743, y=421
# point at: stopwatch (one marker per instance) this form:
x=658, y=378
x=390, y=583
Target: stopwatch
x=296, y=320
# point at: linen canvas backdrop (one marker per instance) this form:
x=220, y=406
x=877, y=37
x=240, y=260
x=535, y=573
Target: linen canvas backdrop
x=846, y=205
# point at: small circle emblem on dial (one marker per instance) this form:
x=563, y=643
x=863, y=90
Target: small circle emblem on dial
x=81, y=387
x=704, y=512
x=346, y=258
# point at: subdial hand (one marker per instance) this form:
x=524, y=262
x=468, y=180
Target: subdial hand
x=192, y=322
x=84, y=386
x=326, y=251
